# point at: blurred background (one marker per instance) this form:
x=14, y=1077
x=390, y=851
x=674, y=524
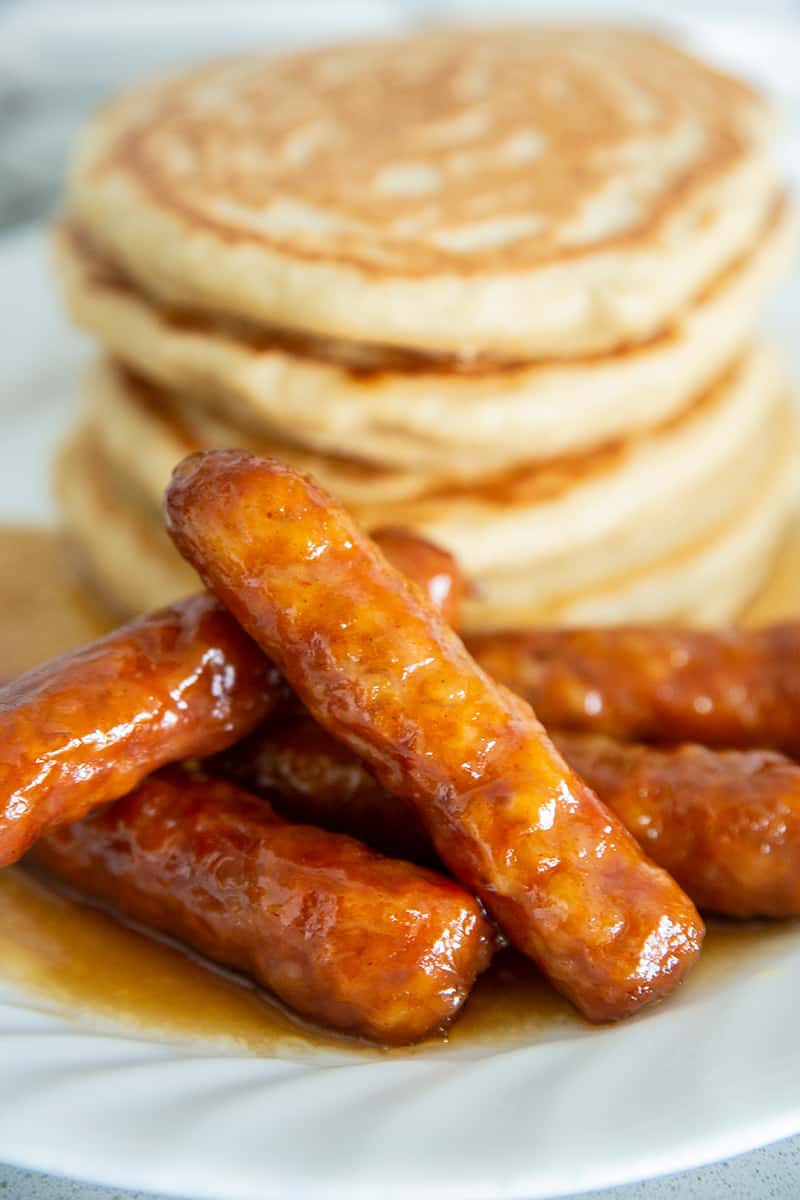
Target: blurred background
x=60, y=58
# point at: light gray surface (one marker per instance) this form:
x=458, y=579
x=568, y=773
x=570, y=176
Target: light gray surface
x=769, y=1174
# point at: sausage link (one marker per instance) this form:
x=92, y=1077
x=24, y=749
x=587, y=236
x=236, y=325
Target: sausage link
x=183, y=682
x=725, y=823
x=87, y=727
x=733, y=688
x=380, y=669
x=359, y=943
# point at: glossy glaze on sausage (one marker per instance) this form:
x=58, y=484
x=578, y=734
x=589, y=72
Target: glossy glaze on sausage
x=182, y=682
x=86, y=728
x=731, y=688
x=379, y=668
x=357, y=942
x=724, y=823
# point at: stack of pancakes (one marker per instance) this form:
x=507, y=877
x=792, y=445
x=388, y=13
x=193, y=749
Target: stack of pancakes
x=495, y=287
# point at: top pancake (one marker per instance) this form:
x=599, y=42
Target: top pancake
x=505, y=193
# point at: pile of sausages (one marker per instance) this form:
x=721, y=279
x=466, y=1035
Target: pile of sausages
x=305, y=774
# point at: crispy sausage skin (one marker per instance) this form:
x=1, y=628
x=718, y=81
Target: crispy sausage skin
x=724, y=823
x=359, y=943
x=87, y=727
x=380, y=669
x=733, y=688
x=311, y=777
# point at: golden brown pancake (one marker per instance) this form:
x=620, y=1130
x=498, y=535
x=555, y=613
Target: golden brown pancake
x=409, y=412
x=529, y=538
x=131, y=567
x=497, y=287
x=521, y=192
x=704, y=579
x=118, y=541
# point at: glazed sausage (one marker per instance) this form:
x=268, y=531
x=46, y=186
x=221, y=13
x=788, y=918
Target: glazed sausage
x=309, y=776
x=360, y=943
x=87, y=727
x=731, y=688
x=183, y=682
x=725, y=823
x=379, y=668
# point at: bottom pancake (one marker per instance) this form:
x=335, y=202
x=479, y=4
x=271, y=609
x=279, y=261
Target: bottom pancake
x=130, y=565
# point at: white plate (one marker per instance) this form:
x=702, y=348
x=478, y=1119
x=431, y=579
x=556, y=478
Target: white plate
x=708, y=1075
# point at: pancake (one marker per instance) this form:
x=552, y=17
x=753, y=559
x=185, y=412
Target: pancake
x=705, y=580
x=131, y=567
x=568, y=520
x=509, y=193
x=411, y=413
x=119, y=544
